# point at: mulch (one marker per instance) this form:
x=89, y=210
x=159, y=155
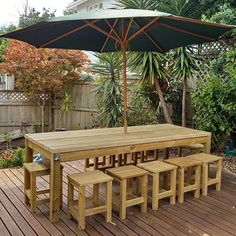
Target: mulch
x=230, y=164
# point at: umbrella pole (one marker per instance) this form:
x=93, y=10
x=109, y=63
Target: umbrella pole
x=125, y=87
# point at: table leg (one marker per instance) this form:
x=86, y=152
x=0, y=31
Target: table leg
x=207, y=145
x=28, y=159
x=55, y=176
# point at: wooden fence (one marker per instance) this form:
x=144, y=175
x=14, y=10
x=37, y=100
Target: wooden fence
x=18, y=112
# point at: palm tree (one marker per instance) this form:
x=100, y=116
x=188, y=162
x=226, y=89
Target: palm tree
x=185, y=63
x=108, y=88
x=151, y=65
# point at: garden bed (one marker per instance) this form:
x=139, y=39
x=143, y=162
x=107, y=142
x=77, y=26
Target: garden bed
x=20, y=142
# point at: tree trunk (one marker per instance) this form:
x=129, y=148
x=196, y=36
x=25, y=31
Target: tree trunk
x=163, y=103
x=42, y=116
x=184, y=102
x=50, y=113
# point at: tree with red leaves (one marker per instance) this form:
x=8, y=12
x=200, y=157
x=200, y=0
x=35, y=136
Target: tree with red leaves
x=42, y=73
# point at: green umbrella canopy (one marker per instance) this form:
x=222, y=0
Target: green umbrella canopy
x=103, y=31
x=119, y=30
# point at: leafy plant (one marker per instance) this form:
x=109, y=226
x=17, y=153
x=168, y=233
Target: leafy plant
x=66, y=106
x=109, y=95
x=8, y=140
x=215, y=98
x=19, y=156
x=11, y=158
x=185, y=65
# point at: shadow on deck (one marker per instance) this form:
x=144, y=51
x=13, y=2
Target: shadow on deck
x=211, y=215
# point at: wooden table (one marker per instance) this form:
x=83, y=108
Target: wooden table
x=82, y=144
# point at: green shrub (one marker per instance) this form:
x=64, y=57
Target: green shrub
x=11, y=158
x=215, y=100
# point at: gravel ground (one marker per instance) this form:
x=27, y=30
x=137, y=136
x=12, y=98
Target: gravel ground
x=230, y=164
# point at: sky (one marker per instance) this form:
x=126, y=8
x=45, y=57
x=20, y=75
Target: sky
x=9, y=8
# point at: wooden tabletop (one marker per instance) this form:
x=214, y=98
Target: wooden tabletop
x=81, y=140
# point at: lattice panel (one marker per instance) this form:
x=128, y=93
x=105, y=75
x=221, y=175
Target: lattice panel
x=211, y=50
x=13, y=96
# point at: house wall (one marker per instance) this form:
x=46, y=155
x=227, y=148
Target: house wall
x=91, y=5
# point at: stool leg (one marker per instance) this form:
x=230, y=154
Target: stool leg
x=180, y=151
x=173, y=186
x=143, y=181
x=155, y=191
x=204, y=179
x=197, y=181
x=96, y=194
x=81, y=205
x=181, y=186
x=189, y=175
x=70, y=198
x=123, y=194
x=218, y=174
x=61, y=187
x=26, y=185
x=33, y=192
x=129, y=186
x=109, y=201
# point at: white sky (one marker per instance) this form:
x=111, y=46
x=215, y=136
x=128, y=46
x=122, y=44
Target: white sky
x=9, y=8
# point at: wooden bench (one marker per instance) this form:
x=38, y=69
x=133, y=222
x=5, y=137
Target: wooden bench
x=155, y=168
x=183, y=186
x=35, y=170
x=206, y=160
x=77, y=208
x=124, y=176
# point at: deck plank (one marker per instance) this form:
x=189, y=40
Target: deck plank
x=214, y=214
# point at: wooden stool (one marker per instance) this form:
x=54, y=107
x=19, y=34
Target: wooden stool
x=206, y=160
x=124, y=176
x=100, y=163
x=155, y=168
x=36, y=169
x=183, y=186
x=77, y=208
x=193, y=149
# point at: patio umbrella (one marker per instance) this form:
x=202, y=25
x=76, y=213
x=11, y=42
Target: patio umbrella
x=119, y=30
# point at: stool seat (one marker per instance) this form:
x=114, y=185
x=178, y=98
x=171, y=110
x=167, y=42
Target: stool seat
x=205, y=158
x=90, y=177
x=125, y=172
x=157, y=166
x=195, y=146
x=36, y=167
x=184, y=162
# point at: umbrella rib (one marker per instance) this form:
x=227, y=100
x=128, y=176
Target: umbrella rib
x=100, y=30
x=152, y=40
x=187, y=32
x=196, y=21
x=128, y=29
x=35, y=28
x=105, y=43
x=112, y=29
x=66, y=34
x=142, y=29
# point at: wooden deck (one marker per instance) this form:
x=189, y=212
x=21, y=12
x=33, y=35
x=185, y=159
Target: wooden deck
x=211, y=215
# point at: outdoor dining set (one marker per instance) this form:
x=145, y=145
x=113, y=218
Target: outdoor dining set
x=142, y=169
